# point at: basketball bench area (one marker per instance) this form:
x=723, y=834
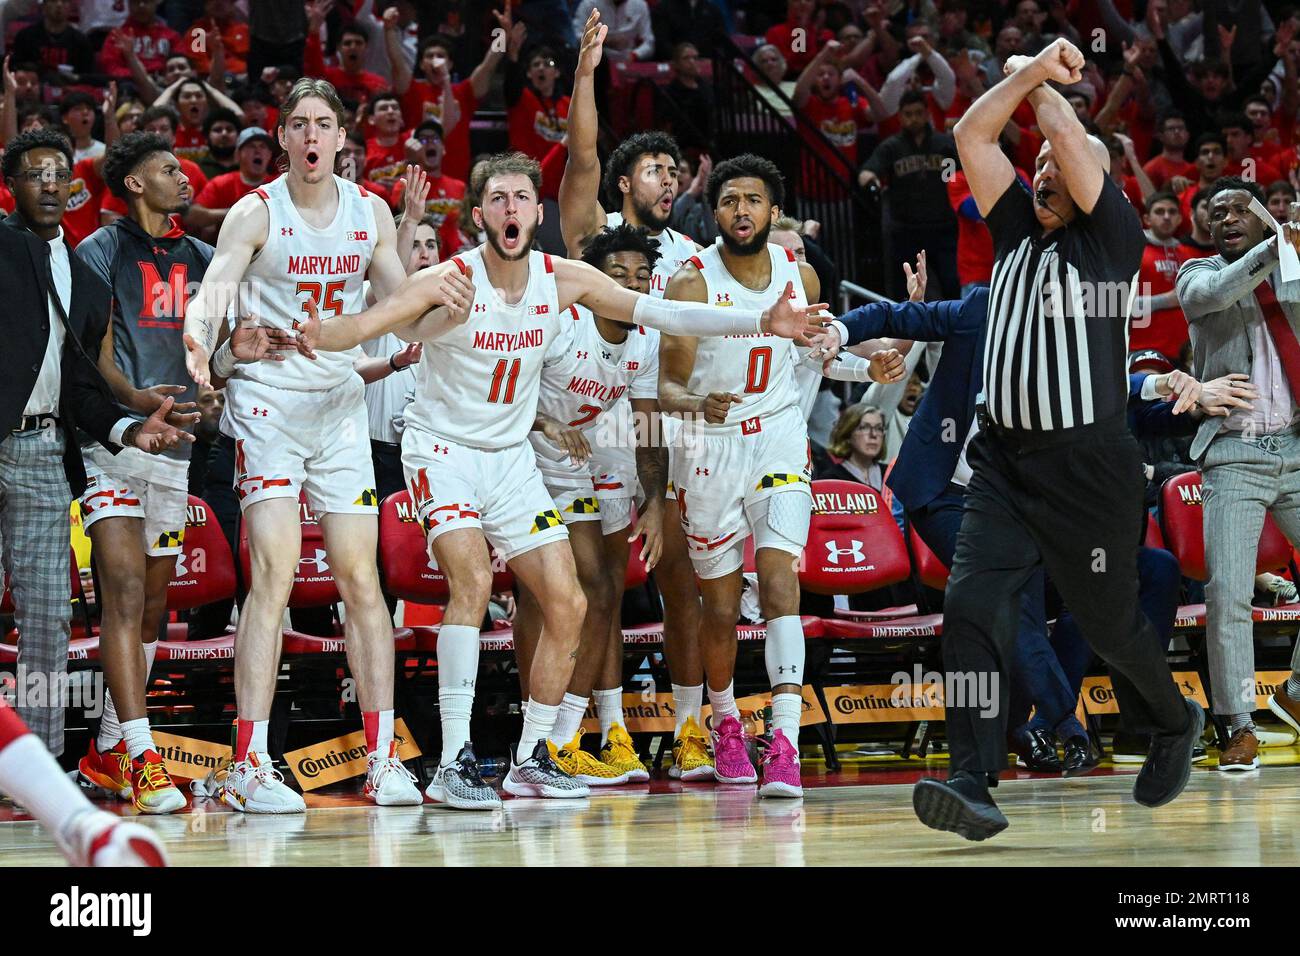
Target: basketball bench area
x=854, y=547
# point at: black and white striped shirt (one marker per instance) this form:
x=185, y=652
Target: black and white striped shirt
x=1057, y=345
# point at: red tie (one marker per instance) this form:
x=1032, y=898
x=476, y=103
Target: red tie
x=1284, y=339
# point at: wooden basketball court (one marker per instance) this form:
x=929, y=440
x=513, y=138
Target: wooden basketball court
x=861, y=815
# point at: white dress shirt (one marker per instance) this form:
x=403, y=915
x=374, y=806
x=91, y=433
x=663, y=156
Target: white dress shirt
x=44, y=399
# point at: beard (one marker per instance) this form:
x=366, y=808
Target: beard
x=222, y=153
x=650, y=215
x=525, y=242
x=750, y=246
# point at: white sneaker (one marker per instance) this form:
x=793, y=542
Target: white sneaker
x=539, y=776
x=96, y=838
x=255, y=786
x=1281, y=590
x=388, y=782
x=460, y=784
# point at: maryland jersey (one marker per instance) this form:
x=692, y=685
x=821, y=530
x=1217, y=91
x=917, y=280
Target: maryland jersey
x=758, y=367
x=478, y=382
x=300, y=262
x=592, y=375
x=674, y=249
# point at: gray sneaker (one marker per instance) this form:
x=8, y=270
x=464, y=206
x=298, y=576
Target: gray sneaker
x=460, y=785
x=538, y=776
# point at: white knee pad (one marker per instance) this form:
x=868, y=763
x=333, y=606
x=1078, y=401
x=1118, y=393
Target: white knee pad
x=721, y=561
x=781, y=520
x=784, y=650
x=615, y=515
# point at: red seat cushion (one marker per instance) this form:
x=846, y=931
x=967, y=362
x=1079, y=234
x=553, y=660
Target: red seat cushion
x=205, y=570
x=854, y=545
x=409, y=572
x=296, y=642
x=923, y=625
x=79, y=649
x=313, y=582
x=1182, y=520
x=932, y=572
x=885, y=614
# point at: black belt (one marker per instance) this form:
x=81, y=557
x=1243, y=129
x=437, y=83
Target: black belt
x=1025, y=439
x=34, y=423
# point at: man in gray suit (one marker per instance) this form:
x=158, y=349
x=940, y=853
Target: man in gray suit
x=1250, y=461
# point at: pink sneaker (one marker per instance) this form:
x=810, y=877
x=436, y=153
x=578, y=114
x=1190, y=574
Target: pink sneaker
x=781, y=769
x=730, y=755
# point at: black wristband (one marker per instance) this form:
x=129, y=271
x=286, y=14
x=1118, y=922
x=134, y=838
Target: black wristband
x=392, y=362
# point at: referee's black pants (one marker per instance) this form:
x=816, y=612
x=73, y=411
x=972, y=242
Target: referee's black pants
x=1071, y=500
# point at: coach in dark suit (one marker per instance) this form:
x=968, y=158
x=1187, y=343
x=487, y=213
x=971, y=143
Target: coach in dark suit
x=55, y=314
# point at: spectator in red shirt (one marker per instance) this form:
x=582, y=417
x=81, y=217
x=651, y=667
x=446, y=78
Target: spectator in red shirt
x=1158, y=321
x=425, y=98
x=1280, y=195
x=254, y=151
x=1244, y=158
x=974, y=242
x=152, y=39
x=1211, y=159
x=819, y=96
x=86, y=193
x=537, y=110
x=425, y=149
x=220, y=19
x=1170, y=168
x=351, y=165
x=799, y=38
x=386, y=148
x=1273, y=138
x=350, y=78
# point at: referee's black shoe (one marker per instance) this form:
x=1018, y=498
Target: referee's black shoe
x=961, y=805
x=1169, y=761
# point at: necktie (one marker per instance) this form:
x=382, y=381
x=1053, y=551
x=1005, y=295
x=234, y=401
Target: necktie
x=1284, y=339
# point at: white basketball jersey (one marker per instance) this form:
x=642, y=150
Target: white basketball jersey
x=674, y=249
x=478, y=382
x=300, y=262
x=758, y=367
x=593, y=374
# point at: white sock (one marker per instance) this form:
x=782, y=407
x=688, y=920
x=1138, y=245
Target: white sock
x=36, y=782
x=257, y=742
x=687, y=701
x=609, y=709
x=723, y=703
x=457, y=673
x=110, y=728
x=138, y=737
x=537, y=726
x=786, y=711
x=572, y=709
x=783, y=651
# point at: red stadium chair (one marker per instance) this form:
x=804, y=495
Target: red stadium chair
x=854, y=545
x=932, y=572
x=409, y=573
x=1153, y=538
x=1181, y=518
x=205, y=573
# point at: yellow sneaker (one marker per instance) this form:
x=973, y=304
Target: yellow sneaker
x=152, y=788
x=582, y=766
x=619, y=753
x=691, y=757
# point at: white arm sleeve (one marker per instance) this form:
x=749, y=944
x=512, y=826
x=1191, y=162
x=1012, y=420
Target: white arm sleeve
x=695, y=318
x=847, y=367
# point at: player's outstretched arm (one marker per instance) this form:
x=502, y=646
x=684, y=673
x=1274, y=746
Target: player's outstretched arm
x=581, y=215
x=423, y=306
x=242, y=234
x=580, y=283
x=677, y=359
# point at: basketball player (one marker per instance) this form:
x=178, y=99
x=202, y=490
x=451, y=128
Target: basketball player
x=87, y=836
x=745, y=469
x=134, y=505
x=301, y=425
x=605, y=362
x=468, y=464
x=641, y=180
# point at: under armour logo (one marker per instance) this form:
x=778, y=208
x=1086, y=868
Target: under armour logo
x=286, y=230
x=606, y=355
x=781, y=669
x=582, y=355
x=833, y=552
x=702, y=471
x=467, y=682
x=440, y=449
x=480, y=307
x=318, y=561
x=260, y=411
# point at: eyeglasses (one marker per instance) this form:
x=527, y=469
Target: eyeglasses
x=35, y=177
x=871, y=429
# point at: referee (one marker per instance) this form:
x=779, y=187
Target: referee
x=1057, y=477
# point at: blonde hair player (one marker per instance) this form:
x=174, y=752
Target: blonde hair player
x=300, y=424
x=489, y=319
